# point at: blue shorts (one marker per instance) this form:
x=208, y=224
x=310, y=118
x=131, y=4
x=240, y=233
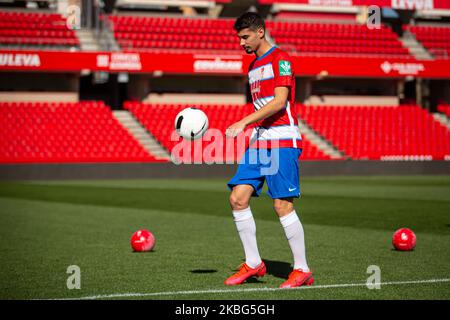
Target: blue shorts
x=279, y=167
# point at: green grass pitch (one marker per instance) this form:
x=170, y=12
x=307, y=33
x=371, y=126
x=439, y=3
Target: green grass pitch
x=46, y=226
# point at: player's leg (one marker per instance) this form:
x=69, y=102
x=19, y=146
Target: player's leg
x=244, y=185
x=246, y=227
x=245, y=223
x=284, y=186
x=293, y=229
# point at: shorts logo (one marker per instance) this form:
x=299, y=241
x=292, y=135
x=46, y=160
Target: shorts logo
x=292, y=189
x=285, y=68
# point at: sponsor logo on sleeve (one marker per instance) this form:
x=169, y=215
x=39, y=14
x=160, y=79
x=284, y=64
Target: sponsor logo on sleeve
x=284, y=68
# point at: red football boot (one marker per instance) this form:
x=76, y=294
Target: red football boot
x=246, y=272
x=298, y=278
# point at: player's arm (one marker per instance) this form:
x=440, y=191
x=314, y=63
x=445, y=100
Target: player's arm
x=275, y=105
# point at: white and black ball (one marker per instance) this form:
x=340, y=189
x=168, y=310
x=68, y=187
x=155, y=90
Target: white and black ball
x=191, y=123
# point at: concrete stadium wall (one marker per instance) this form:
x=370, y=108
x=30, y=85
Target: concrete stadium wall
x=170, y=171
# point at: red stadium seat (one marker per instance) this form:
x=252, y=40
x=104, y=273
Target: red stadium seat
x=376, y=133
x=188, y=35
x=435, y=39
x=164, y=34
x=65, y=132
x=324, y=39
x=24, y=29
x=159, y=120
x=444, y=108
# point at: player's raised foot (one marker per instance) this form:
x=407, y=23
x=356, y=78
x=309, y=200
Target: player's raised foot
x=298, y=278
x=246, y=272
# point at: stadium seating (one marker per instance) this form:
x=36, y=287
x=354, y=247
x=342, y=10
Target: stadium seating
x=182, y=35
x=360, y=2
x=331, y=39
x=168, y=34
x=378, y=133
x=444, y=108
x=435, y=39
x=23, y=29
x=315, y=16
x=159, y=120
x=311, y=152
x=65, y=132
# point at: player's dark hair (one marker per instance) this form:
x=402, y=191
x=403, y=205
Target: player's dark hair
x=250, y=20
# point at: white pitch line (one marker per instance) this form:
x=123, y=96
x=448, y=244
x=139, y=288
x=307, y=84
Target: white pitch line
x=174, y=293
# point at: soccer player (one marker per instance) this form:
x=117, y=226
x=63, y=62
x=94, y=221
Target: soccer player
x=272, y=85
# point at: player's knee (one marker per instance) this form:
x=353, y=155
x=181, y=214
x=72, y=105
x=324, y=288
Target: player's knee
x=237, y=202
x=283, y=208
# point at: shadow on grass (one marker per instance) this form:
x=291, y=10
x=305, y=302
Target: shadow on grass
x=203, y=271
x=143, y=252
x=278, y=269
x=254, y=280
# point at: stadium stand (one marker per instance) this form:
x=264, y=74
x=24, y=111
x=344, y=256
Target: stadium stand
x=159, y=121
x=206, y=36
x=152, y=4
x=315, y=16
x=22, y=30
x=86, y=131
x=311, y=152
x=435, y=39
x=360, y=2
x=444, y=108
x=167, y=34
x=380, y=133
x=331, y=39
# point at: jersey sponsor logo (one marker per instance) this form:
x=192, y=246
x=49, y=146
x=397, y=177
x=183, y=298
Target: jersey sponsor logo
x=284, y=68
x=261, y=73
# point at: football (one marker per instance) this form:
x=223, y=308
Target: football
x=142, y=240
x=404, y=239
x=191, y=123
